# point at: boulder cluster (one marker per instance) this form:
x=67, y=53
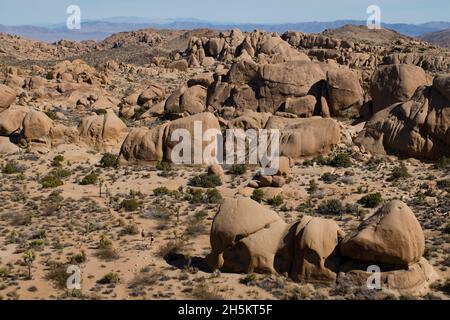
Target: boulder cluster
x=247, y=237
x=267, y=74
x=411, y=116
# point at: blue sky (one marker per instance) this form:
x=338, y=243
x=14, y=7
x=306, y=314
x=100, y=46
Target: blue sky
x=41, y=12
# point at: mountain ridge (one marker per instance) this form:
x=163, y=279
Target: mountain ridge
x=101, y=29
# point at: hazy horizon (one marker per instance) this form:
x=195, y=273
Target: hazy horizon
x=50, y=12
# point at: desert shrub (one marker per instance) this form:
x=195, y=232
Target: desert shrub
x=109, y=160
x=60, y=173
x=443, y=184
x=238, y=169
x=12, y=168
x=447, y=228
x=203, y=292
x=144, y=278
x=106, y=250
x=91, y=178
x=53, y=203
x=78, y=258
x=331, y=206
x=57, y=161
x=158, y=212
x=164, y=166
x=36, y=244
x=313, y=186
x=443, y=163
x=57, y=273
x=104, y=242
x=161, y=191
x=320, y=160
x=130, y=205
x=248, y=279
x=109, y=278
x=19, y=219
x=354, y=209
x=130, y=229
x=205, y=181
x=194, y=196
x=100, y=112
x=341, y=160
x=400, y=172
x=276, y=201
x=51, y=114
x=171, y=248
x=298, y=293
x=328, y=177
x=4, y=272
x=195, y=223
x=40, y=234
x=258, y=195
x=107, y=254
x=213, y=196
x=50, y=181
x=372, y=200
x=139, y=112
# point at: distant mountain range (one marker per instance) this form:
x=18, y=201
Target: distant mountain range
x=440, y=38
x=100, y=29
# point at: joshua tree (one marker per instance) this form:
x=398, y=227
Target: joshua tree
x=100, y=184
x=29, y=257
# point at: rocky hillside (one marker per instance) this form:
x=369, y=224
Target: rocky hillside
x=90, y=173
x=440, y=38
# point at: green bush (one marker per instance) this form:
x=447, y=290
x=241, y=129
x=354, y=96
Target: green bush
x=78, y=258
x=100, y=112
x=36, y=244
x=109, y=160
x=130, y=229
x=50, y=181
x=195, y=196
x=104, y=242
x=51, y=114
x=131, y=204
x=313, y=187
x=443, y=184
x=276, y=201
x=60, y=173
x=4, y=272
x=332, y=206
x=248, y=279
x=205, y=181
x=57, y=273
x=109, y=278
x=238, y=169
x=12, y=168
x=213, y=196
x=328, y=177
x=57, y=161
x=372, y=200
x=139, y=112
x=320, y=160
x=164, y=166
x=400, y=172
x=91, y=178
x=258, y=195
x=341, y=160
x=161, y=191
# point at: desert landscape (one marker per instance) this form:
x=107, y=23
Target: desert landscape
x=87, y=178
